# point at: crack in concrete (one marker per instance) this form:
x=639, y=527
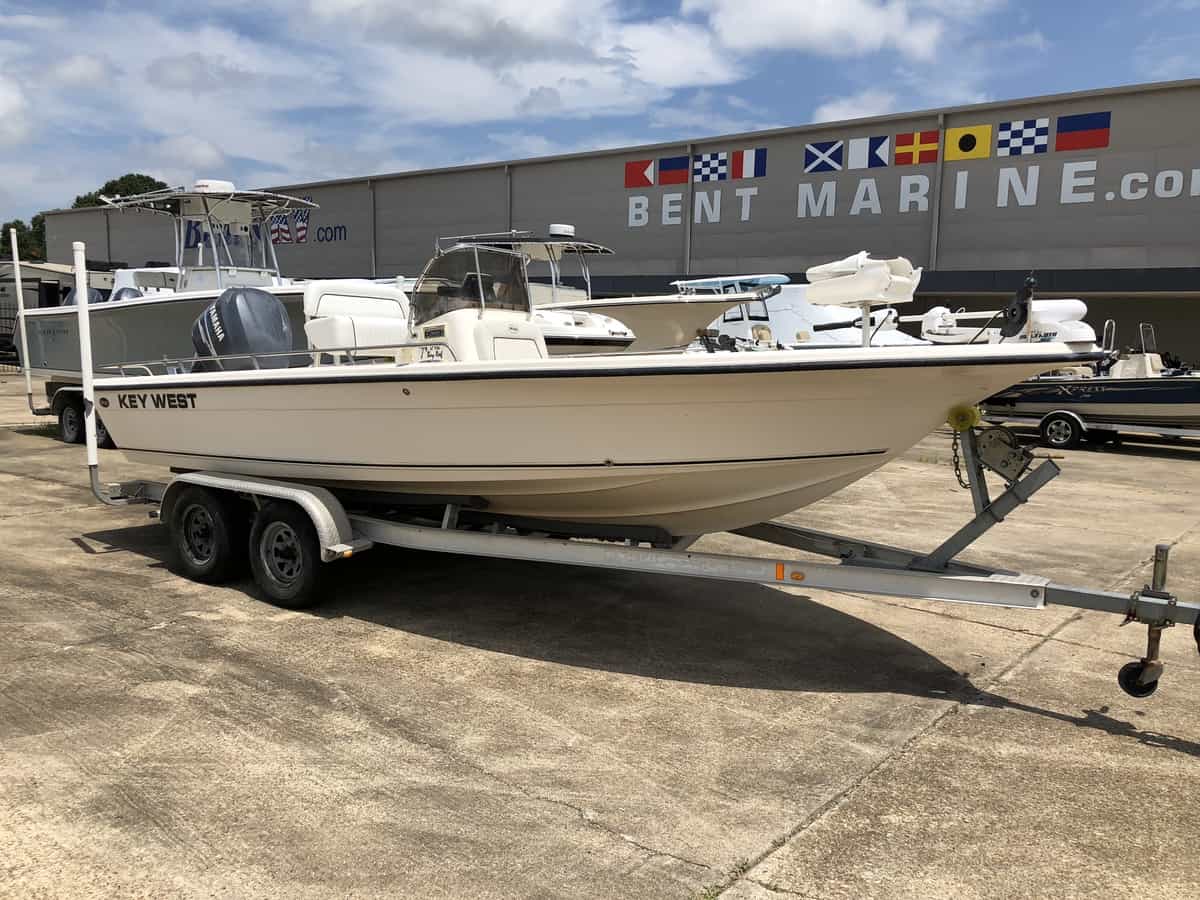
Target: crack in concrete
x=776, y=889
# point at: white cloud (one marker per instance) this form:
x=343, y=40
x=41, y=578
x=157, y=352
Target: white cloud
x=870, y=102
x=188, y=152
x=80, y=69
x=14, y=123
x=836, y=28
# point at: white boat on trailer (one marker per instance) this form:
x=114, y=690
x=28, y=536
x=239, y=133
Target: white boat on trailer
x=468, y=401
x=297, y=529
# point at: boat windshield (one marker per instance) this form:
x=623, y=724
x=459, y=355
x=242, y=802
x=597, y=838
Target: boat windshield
x=470, y=277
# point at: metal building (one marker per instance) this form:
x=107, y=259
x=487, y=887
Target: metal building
x=1098, y=191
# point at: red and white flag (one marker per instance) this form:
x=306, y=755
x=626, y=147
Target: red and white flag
x=748, y=163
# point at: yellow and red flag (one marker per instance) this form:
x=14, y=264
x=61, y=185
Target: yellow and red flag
x=917, y=147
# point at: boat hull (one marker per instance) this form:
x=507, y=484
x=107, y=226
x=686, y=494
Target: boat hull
x=684, y=444
x=1160, y=402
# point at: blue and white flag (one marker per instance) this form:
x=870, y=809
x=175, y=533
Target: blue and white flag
x=823, y=156
x=868, y=152
x=1023, y=137
x=710, y=166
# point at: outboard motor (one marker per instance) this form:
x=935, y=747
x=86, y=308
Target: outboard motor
x=243, y=321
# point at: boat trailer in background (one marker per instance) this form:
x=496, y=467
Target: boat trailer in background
x=296, y=530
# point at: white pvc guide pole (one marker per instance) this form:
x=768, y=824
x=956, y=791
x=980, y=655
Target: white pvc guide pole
x=85, y=354
x=16, y=259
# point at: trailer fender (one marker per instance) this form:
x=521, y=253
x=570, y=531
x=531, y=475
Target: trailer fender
x=63, y=395
x=1078, y=419
x=334, y=531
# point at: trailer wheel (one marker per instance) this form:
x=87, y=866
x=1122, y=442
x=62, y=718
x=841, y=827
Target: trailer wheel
x=1062, y=432
x=1128, y=679
x=285, y=555
x=204, y=531
x=70, y=422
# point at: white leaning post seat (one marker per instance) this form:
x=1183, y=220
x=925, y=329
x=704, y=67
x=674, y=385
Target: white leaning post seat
x=350, y=313
x=859, y=279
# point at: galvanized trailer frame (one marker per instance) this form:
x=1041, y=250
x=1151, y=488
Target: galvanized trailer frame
x=343, y=527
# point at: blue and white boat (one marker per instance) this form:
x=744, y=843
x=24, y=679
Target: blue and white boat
x=1130, y=391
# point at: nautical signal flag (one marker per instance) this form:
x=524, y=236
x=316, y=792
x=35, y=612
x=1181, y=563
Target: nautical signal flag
x=748, y=163
x=1083, y=132
x=969, y=142
x=674, y=170
x=823, y=156
x=1023, y=137
x=917, y=147
x=868, y=152
x=639, y=173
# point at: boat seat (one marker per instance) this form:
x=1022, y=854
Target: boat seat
x=333, y=333
x=1138, y=365
x=126, y=293
x=859, y=279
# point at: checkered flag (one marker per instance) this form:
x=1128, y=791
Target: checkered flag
x=710, y=167
x=1023, y=137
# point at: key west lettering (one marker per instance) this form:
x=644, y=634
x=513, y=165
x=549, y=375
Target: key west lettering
x=157, y=400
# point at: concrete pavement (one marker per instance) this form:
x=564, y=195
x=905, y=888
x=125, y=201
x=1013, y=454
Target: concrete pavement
x=450, y=727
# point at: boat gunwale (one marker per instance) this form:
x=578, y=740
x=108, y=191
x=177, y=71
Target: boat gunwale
x=555, y=367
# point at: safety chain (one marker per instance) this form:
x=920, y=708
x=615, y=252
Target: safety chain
x=962, y=482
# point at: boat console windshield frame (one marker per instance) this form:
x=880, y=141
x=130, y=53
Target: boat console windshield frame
x=233, y=224
x=471, y=275
x=551, y=250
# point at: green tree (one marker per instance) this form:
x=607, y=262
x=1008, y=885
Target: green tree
x=126, y=185
x=31, y=239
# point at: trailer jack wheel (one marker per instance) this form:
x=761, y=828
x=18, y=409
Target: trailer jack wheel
x=1132, y=675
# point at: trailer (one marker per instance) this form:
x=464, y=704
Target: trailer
x=293, y=536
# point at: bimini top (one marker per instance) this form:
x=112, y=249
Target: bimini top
x=210, y=199
x=559, y=242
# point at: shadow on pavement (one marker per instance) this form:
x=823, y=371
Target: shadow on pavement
x=663, y=627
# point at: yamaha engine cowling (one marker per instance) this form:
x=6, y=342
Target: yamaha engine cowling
x=240, y=322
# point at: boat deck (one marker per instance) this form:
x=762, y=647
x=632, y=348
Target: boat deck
x=471, y=727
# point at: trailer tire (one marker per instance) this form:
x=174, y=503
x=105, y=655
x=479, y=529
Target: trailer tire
x=285, y=555
x=1061, y=431
x=70, y=421
x=204, y=530
x=103, y=438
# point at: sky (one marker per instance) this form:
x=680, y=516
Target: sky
x=272, y=92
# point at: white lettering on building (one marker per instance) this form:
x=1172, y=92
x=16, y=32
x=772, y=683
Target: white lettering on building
x=1024, y=192
x=866, y=196
x=744, y=194
x=1168, y=184
x=672, y=209
x=708, y=207
x=914, y=189
x=639, y=213
x=1128, y=191
x=960, y=189
x=809, y=204
x=1075, y=175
